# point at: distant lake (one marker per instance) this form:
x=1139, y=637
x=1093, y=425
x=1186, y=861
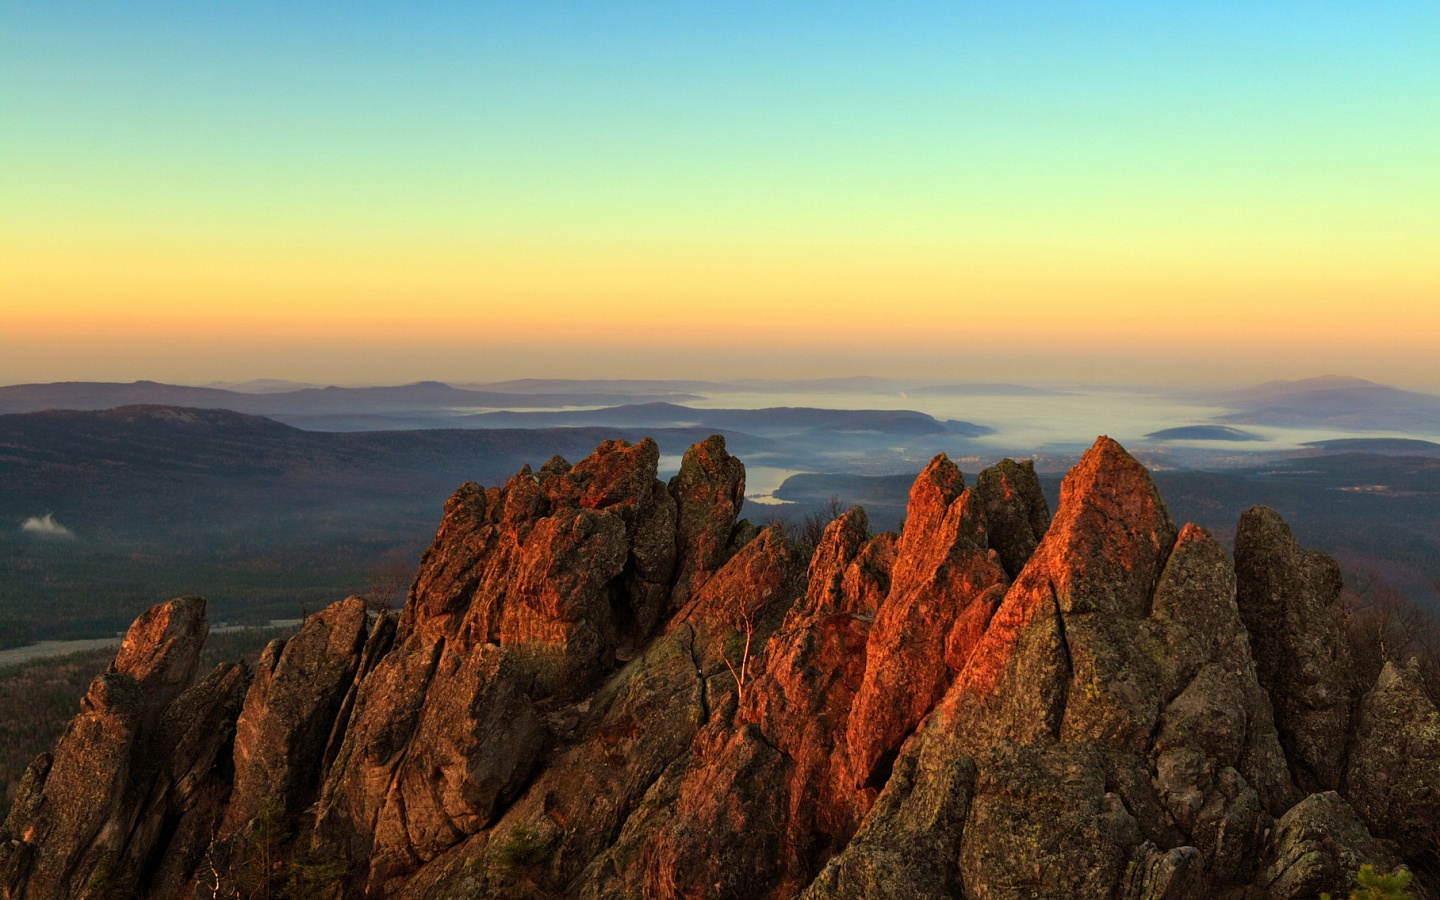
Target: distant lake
x=48, y=649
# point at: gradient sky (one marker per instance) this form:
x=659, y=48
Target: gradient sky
x=381, y=192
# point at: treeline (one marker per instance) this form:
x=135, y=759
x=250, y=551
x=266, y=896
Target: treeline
x=1384, y=625
x=70, y=590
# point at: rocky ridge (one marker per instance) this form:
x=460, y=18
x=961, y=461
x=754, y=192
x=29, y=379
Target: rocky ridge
x=606, y=686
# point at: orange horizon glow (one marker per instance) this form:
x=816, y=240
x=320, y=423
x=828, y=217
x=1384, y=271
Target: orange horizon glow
x=470, y=194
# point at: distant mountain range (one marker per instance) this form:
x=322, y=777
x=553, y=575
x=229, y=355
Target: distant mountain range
x=70, y=448
x=433, y=405
x=1386, y=446
x=1330, y=402
x=1284, y=390
x=628, y=387
x=985, y=389
x=1336, y=402
x=859, y=384
x=433, y=396
x=1203, y=433
x=262, y=385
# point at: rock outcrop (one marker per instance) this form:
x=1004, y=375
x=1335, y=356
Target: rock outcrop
x=603, y=686
x=1106, y=737
x=1285, y=595
x=291, y=711
x=131, y=795
x=1016, y=514
x=708, y=491
x=1394, y=775
x=944, y=587
x=530, y=596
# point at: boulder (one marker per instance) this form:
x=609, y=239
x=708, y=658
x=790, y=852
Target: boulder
x=1318, y=846
x=1393, y=779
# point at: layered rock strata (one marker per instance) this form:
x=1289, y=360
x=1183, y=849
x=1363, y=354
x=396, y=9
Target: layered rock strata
x=606, y=686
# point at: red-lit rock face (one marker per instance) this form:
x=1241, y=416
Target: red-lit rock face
x=939, y=604
x=708, y=492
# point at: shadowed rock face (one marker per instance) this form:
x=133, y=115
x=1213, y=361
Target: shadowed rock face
x=1285, y=596
x=668, y=838
x=290, y=711
x=604, y=687
x=1016, y=514
x=1318, y=846
x=1394, y=775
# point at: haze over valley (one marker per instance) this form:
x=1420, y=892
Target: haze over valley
x=296, y=494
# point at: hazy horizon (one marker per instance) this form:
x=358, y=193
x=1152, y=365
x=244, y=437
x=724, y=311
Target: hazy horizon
x=1023, y=378
x=1050, y=376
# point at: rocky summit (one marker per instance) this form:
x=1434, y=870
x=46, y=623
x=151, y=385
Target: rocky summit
x=606, y=686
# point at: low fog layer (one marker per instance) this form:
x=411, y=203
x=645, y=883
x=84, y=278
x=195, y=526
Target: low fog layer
x=46, y=526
